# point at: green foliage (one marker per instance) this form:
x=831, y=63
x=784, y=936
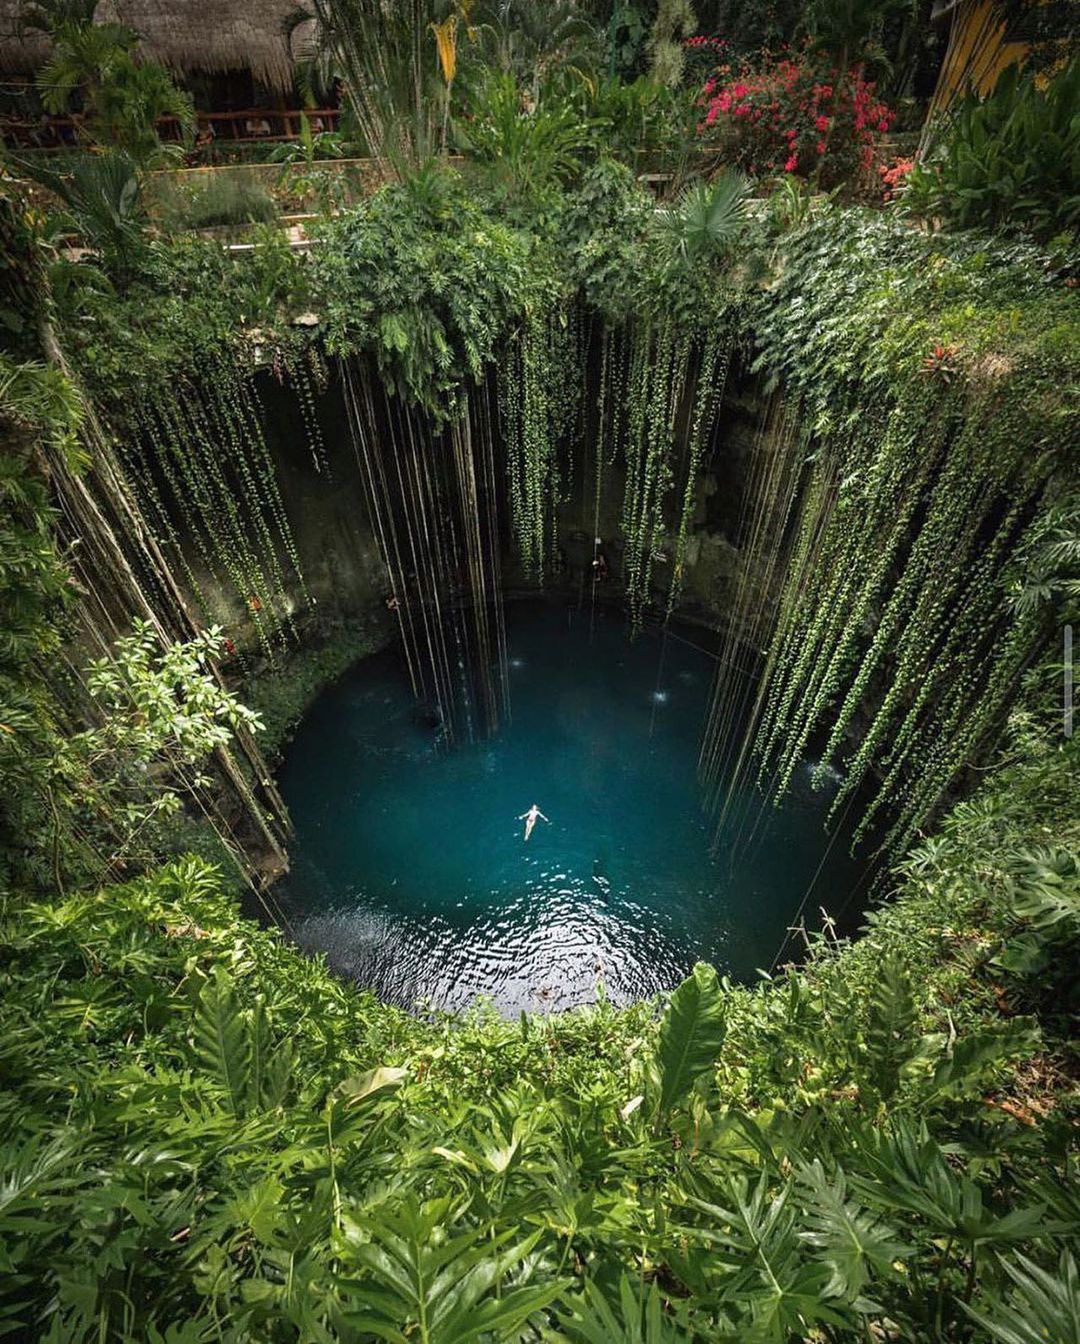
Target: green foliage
x=202, y=1125
x=1010, y=161
x=1044, y=1303
x=535, y=42
x=674, y=21
x=525, y=151
x=691, y=1035
x=102, y=194
x=706, y=220
x=637, y=1317
x=236, y=1048
x=122, y=97
x=411, y=1280
x=925, y=488
x=848, y=30
x=227, y=198
x=641, y=123
x=428, y=282
x=386, y=55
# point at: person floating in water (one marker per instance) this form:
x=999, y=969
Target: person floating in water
x=529, y=818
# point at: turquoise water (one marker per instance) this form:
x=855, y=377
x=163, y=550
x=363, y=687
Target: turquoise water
x=411, y=872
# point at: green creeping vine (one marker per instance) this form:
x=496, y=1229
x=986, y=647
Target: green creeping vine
x=539, y=409
x=207, y=446
x=672, y=385
x=934, y=385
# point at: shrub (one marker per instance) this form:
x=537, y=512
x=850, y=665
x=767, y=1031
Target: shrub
x=1010, y=161
x=796, y=114
x=227, y=198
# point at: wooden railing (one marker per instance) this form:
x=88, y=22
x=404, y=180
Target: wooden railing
x=248, y=126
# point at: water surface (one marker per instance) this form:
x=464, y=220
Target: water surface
x=409, y=865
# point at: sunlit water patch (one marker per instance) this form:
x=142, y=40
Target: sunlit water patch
x=411, y=872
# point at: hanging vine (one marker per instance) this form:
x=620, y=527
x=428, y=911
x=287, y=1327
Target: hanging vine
x=893, y=653
x=209, y=456
x=432, y=499
x=540, y=410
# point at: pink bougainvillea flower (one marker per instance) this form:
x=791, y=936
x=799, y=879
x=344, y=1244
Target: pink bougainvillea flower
x=791, y=164
x=822, y=123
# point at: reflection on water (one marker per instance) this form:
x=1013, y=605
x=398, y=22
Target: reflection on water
x=409, y=865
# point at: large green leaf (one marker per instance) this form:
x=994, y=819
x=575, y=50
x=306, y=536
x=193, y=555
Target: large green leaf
x=222, y=1040
x=691, y=1034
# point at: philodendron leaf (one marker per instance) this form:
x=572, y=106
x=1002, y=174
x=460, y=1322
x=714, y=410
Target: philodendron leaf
x=691, y=1034
x=222, y=1039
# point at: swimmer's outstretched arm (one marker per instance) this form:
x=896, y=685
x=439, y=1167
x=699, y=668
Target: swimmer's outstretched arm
x=542, y=817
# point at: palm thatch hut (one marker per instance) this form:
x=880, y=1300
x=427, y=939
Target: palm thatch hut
x=189, y=36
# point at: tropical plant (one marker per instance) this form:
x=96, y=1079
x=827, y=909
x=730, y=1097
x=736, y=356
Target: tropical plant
x=675, y=20
x=849, y=31
x=103, y=196
x=690, y=1038
x=1044, y=1303
x=386, y=55
x=524, y=149
x=122, y=97
x=641, y=123
x=534, y=42
x=1010, y=161
x=230, y=196
x=707, y=219
x=233, y=1129
x=797, y=114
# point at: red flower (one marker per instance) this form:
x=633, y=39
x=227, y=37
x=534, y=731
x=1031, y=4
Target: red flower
x=822, y=123
x=791, y=164
x=820, y=146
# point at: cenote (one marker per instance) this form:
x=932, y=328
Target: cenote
x=409, y=865
x=653, y=414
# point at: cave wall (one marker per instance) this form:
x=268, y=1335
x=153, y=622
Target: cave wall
x=344, y=576
x=713, y=561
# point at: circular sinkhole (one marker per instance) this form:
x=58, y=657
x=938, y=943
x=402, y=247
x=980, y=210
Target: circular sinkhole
x=411, y=871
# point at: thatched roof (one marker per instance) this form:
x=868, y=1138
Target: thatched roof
x=210, y=35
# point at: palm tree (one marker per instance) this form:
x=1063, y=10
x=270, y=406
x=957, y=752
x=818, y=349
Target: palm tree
x=529, y=40
x=102, y=196
x=123, y=98
x=848, y=29
x=706, y=219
